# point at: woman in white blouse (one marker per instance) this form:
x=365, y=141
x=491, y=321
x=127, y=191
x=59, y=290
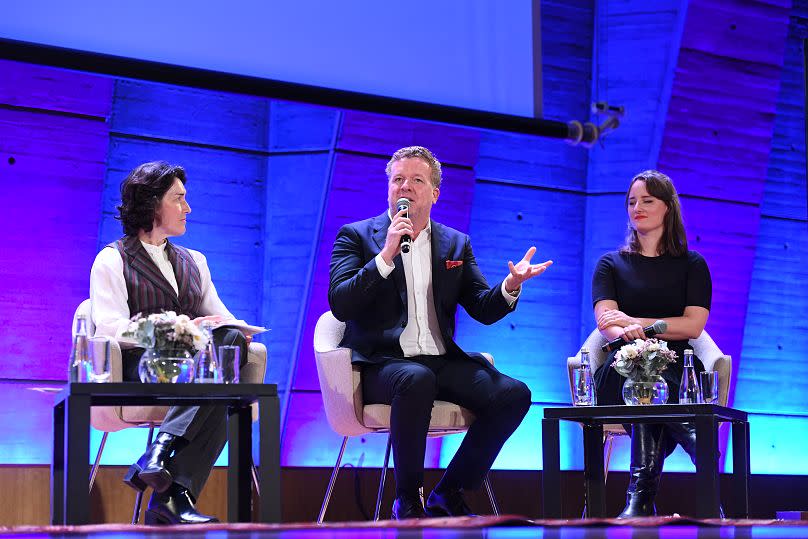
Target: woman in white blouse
x=144, y=273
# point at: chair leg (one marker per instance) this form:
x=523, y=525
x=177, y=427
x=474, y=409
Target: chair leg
x=333, y=480
x=139, y=497
x=490, y=492
x=382, y=478
x=255, y=478
x=97, y=462
x=609, y=446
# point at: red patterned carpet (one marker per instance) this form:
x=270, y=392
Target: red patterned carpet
x=489, y=527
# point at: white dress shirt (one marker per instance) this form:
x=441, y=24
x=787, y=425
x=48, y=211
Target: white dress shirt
x=422, y=335
x=108, y=294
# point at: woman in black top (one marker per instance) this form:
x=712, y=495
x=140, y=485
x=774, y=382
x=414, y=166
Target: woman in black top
x=653, y=277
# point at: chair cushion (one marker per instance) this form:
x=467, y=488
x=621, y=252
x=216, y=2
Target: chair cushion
x=445, y=416
x=138, y=415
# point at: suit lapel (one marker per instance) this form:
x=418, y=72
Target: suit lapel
x=380, y=227
x=440, y=254
x=141, y=262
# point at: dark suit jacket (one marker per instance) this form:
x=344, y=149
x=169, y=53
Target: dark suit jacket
x=375, y=309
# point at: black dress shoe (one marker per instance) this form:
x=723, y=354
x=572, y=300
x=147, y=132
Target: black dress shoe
x=150, y=469
x=175, y=506
x=406, y=507
x=448, y=504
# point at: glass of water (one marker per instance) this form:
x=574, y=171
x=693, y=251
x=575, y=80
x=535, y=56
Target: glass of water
x=230, y=362
x=708, y=382
x=97, y=365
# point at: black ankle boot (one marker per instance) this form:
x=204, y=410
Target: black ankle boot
x=647, y=456
x=150, y=469
x=175, y=506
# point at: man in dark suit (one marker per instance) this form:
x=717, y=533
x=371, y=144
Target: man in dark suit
x=400, y=311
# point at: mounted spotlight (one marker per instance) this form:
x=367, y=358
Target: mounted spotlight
x=587, y=133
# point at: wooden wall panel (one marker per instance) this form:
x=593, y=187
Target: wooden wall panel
x=776, y=335
x=382, y=135
x=299, y=169
x=718, y=137
x=776, y=332
x=53, y=144
x=640, y=82
x=183, y=114
x=55, y=90
x=533, y=342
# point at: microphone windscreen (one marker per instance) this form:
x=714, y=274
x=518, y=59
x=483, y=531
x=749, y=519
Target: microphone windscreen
x=660, y=326
x=402, y=204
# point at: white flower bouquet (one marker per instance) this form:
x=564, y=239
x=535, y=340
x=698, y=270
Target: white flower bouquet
x=643, y=359
x=166, y=331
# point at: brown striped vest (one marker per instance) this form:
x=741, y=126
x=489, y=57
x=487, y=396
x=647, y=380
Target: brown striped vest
x=148, y=290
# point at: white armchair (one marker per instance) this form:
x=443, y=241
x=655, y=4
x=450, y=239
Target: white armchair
x=340, y=385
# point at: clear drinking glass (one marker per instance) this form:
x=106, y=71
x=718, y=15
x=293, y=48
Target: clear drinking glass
x=97, y=365
x=708, y=382
x=230, y=361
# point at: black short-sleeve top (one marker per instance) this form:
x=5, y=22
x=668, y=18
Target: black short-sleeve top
x=652, y=287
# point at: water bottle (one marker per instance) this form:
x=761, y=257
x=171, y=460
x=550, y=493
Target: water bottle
x=208, y=370
x=583, y=382
x=689, y=388
x=79, y=353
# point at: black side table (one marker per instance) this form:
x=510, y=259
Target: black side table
x=706, y=417
x=71, y=441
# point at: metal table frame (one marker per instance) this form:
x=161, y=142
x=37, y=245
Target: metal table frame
x=706, y=417
x=71, y=441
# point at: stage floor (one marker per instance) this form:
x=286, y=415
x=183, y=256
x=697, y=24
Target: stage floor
x=504, y=527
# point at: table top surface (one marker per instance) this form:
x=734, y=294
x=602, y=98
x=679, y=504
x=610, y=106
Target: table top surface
x=120, y=390
x=660, y=412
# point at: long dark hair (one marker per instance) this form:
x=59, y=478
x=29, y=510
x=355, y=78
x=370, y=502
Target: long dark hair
x=141, y=193
x=674, y=238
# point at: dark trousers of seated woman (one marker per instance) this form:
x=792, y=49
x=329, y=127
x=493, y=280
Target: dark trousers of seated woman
x=203, y=429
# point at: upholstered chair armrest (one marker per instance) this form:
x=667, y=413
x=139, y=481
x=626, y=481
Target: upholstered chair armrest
x=255, y=368
x=713, y=359
x=341, y=391
x=593, y=343
x=109, y=418
x=723, y=365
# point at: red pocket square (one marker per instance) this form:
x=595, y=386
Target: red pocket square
x=453, y=264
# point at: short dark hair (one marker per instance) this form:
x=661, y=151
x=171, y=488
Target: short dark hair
x=141, y=193
x=674, y=239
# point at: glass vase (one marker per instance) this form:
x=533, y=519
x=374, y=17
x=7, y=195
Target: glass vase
x=645, y=391
x=166, y=366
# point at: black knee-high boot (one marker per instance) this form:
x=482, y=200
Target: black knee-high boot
x=647, y=456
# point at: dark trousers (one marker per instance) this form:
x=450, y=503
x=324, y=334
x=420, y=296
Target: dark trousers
x=203, y=428
x=411, y=385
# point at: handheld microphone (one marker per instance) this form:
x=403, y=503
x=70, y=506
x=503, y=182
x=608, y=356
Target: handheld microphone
x=660, y=326
x=404, y=204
